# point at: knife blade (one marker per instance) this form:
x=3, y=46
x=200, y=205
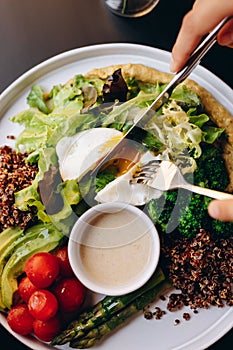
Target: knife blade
x=163, y=97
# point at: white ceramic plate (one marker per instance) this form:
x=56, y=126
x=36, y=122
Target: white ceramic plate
x=204, y=328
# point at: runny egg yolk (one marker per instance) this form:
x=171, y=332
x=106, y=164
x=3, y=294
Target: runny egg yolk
x=110, y=144
x=124, y=161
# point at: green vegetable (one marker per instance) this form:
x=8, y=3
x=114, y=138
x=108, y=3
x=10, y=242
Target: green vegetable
x=222, y=229
x=71, y=96
x=110, y=309
x=211, y=170
x=101, y=331
x=18, y=242
x=180, y=126
x=149, y=88
x=132, y=108
x=102, y=179
x=42, y=130
x=175, y=211
x=197, y=119
x=8, y=237
x=37, y=238
x=133, y=88
x=187, y=99
x=67, y=194
x=186, y=213
x=152, y=143
x=36, y=99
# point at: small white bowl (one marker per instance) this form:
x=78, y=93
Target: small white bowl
x=114, y=248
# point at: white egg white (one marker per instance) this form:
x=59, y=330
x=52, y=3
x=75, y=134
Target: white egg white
x=123, y=190
x=79, y=153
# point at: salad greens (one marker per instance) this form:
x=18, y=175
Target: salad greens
x=177, y=130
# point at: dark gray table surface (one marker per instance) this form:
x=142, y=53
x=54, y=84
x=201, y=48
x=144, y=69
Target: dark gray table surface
x=33, y=31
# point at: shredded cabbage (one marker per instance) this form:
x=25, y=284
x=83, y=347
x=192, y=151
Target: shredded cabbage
x=178, y=135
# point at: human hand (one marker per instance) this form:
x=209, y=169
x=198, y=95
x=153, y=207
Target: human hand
x=221, y=209
x=203, y=17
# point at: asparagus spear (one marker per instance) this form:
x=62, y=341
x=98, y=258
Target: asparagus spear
x=103, y=311
x=97, y=333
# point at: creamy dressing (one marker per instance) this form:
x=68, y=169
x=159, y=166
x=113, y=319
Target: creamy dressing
x=130, y=248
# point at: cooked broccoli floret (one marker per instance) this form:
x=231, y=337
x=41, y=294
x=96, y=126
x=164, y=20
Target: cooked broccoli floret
x=184, y=212
x=211, y=169
x=179, y=211
x=194, y=217
x=222, y=229
x=160, y=209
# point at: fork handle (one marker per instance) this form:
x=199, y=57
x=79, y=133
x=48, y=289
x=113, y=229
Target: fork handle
x=207, y=192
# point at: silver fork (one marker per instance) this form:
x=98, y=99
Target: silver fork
x=165, y=175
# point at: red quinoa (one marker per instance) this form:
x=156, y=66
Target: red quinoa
x=15, y=174
x=201, y=268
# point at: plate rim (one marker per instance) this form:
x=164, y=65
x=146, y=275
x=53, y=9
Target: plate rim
x=16, y=87
x=53, y=62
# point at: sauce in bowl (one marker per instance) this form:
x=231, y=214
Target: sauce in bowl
x=114, y=248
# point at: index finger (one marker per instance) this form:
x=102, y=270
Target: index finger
x=203, y=17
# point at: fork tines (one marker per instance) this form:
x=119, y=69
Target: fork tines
x=145, y=172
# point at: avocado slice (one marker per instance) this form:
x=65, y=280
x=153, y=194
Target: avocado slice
x=11, y=248
x=7, y=237
x=47, y=238
x=6, y=253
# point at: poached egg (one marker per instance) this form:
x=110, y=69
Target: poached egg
x=123, y=190
x=79, y=154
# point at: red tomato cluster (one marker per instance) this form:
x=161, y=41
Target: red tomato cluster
x=50, y=293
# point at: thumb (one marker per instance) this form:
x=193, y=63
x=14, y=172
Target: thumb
x=221, y=209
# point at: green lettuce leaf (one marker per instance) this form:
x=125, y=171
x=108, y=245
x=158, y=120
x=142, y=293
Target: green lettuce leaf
x=186, y=98
x=36, y=99
x=211, y=133
x=42, y=130
x=69, y=191
x=72, y=94
x=131, y=109
x=178, y=127
x=198, y=120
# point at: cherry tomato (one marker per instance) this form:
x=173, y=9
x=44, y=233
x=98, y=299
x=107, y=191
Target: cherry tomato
x=70, y=293
x=47, y=330
x=20, y=320
x=43, y=304
x=42, y=269
x=26, y=288
x=65, y=268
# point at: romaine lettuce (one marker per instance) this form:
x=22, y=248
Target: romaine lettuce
x=178, y=128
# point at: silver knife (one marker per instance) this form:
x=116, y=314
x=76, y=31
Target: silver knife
x=163, y=97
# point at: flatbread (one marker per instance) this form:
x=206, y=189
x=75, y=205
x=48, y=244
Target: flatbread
x=217, y=113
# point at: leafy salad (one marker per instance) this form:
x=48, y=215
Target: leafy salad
x=179, y=128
